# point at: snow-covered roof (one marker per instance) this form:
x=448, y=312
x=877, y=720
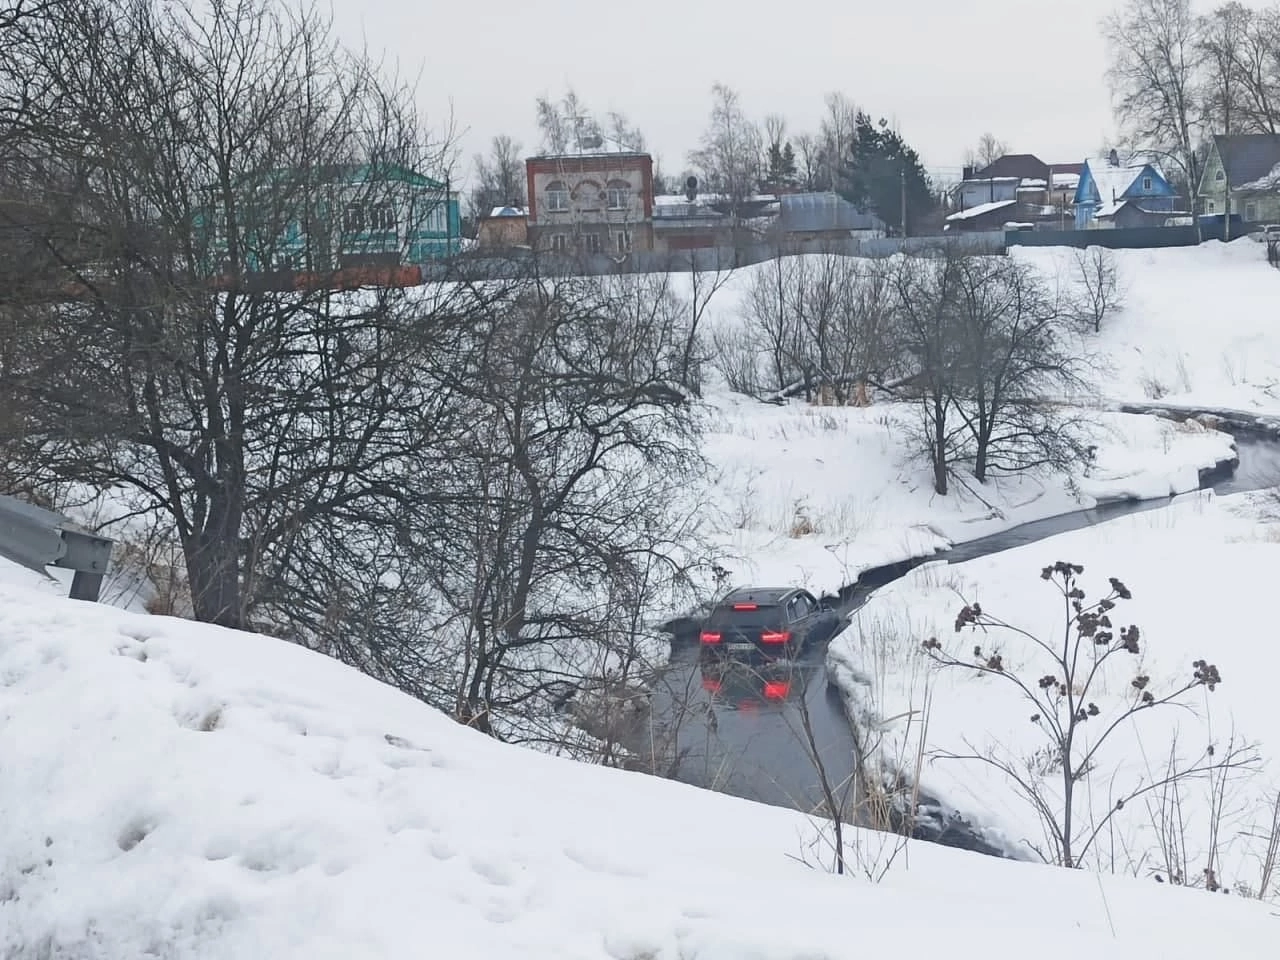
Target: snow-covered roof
x=508, y=212
x=812, y=212
x=980, y=209
x=1066, y=180
x=1112, y=182
x=1268, y=181
x=1032, y=184
x=679, y=199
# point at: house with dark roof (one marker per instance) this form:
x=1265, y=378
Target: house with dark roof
x=1029, y=189
x=1116, y=193
x=1244, y=171
x=811, y=218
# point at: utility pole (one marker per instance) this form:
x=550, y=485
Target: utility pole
x=902, y=176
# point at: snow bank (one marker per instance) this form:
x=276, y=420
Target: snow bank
x=817, y=495
x=1202, y=575
x=1198, y=324
x=182, y=791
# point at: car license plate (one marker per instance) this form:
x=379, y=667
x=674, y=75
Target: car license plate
x=740, y=647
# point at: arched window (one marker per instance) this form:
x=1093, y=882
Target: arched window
x=557, y=197
x=618, y=193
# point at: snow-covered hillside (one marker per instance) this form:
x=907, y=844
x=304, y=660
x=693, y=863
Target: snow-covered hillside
x=180, y=791
x=816, y=495
x=1197, y=326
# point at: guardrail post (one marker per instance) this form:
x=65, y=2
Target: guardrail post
x=37, y=538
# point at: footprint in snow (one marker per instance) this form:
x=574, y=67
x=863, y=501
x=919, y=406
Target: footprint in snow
x=441, y=849
x=598, y=864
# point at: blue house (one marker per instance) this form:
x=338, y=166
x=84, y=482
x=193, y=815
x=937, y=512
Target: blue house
x=1111, y=193
x=330, y=218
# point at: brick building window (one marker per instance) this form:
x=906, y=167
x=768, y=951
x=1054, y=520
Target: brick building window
x=618, y=193
x=557, y=197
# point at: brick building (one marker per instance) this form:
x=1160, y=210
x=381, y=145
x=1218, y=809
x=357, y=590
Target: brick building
x=595, y=203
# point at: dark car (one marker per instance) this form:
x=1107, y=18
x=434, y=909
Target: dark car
x=771, y=623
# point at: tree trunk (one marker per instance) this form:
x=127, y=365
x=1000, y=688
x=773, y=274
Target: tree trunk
x=938, y=445
x=213, y=566
x=939, y=472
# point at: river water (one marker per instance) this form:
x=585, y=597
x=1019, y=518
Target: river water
x=743, y=733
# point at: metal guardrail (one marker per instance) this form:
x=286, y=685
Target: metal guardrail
x=38, y=538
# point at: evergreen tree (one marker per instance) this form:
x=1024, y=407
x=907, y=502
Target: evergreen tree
x=781, y=164
x=880, y=164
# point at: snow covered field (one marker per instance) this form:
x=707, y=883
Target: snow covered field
x=816, y=495
x=1201, y=573
x=176, y=790
x=1198, y=326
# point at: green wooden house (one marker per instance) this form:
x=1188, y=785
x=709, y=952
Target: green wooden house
x=329, y=218
x=1242, y=170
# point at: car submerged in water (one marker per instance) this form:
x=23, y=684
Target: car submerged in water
x=766, y=623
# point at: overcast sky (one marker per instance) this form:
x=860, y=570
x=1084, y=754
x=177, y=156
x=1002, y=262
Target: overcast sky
x=944, y=70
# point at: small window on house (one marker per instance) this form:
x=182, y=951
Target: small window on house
x=591, y=242
x=559, y=242
x=623, y=241
x=353, y=218
x=557, y=197
x=617, y=194
x=1220, y=175
x=382, y=217
x=1251, y=211
x=1209, y=206
x=1146, y=184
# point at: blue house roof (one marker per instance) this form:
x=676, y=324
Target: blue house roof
x=1106, y=186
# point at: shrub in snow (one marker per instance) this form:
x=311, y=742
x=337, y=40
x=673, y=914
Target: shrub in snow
x=1065, y=684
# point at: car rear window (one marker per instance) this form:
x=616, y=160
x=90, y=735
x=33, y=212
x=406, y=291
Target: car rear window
x=765, y=615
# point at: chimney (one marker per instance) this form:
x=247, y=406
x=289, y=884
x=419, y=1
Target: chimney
x=966, y=173
x=1113, y=158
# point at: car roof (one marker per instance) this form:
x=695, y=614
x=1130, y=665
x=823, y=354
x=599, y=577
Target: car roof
x=762, y=595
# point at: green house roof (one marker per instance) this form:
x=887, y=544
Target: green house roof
x=343, y=173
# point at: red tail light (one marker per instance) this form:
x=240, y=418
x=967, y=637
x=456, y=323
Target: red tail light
x=777, y=689
x=779, y=636
x=746, y=606
x=711, y=685
x=710, y=636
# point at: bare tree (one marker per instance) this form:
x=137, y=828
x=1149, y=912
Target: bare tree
x=499, y=178
x=197, y=151
x=705, y=281
x=771, y=315
x=1060, y=684
x=622, y=135
x=1098, y=276
x=1016, y=365
x=925, y=292
x=729, y=158
x=1154, y=73
x=836, y=136
x=987, y=152
x=568, y=125
x=1258, y=71
x=808, y=155
x=566, y=521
